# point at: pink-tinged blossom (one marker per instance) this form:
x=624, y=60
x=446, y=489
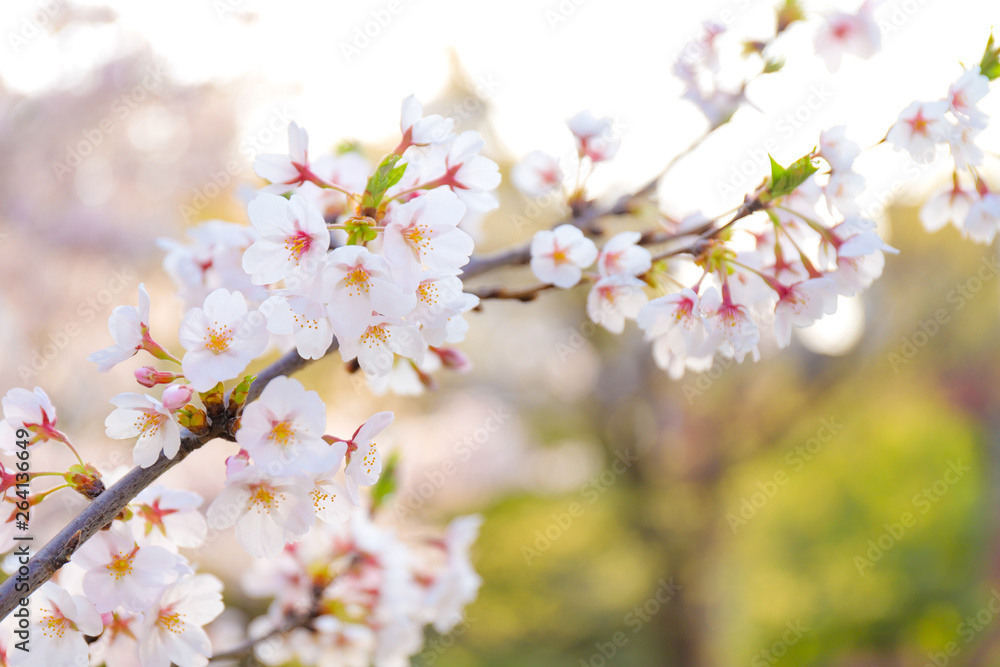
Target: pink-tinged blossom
x=457, y=584
x=440, y=305
x=919, y=129
x=423, y=234
x=949, y=206
x=59, y=622
x=839, y=151
x=268, y=512
x=801, y=304
x=302, y=311
x=677, y=329
x=614, y=299
x=129, y=326
x=621, y=256
x=376, y=347
x=537, y=174
x=143, y=417
x=284, y=172
x=168, y=518
x=293, y=237
x=471, y=176
x=221, y=339
x=420, y=130
x=983, y=220
x=364, y=465
x=732, y=323
x=842, y=192
x=214, y=260
x=964, y=94
x=855, y=34
x=559, y=256
x=858, y=256
x=359, y=283
x=283, y=429
x=596, y=138
x=31, y=411
x=962, y=142
x=120, y=572
x=172, y=629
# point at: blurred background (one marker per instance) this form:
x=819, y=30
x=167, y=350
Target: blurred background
x=833, y=504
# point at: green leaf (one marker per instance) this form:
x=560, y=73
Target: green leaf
x=360, y=231
x=386, y=484
x=785, y=180
x=386, y=175
x=989, y=66
x=775, y=65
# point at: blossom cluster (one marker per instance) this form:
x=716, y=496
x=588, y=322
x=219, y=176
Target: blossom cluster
x=337, y=253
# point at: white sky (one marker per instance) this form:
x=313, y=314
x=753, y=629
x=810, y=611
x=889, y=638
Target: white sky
x=611, y=57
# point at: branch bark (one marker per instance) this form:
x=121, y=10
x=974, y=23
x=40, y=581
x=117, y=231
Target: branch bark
x=102, y=511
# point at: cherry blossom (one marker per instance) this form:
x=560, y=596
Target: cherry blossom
x=364, y=464
x=31, y=411
x=283, y=429
x=678, y=330
x=857, y=34
x=801, y=304
x=614, y=299
x=214, y=260
x=423, y=234
x=376, y=347
x=471, y=176
x=837, y=149
x=267, y=511
x=358, y=282
x=221, y=339
x=949, y=206
x=621, y=256
x=168, y=518
x=920, y=127
x=983, y=220
x=172, y=629
x=964, y=94
x=120, y=572
x=420, y=130
x=60, y=623
x=537, y=174
x=144, y=417
x=129, y=326
x=731, y=321
x=286, y=171
x=302, y=311
x=457, y=584
x=558, y=256
x=293, y=236
x=596, y=138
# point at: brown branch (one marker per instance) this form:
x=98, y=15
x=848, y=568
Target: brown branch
x=102, y=511
x=244, y=649
x=501, y=292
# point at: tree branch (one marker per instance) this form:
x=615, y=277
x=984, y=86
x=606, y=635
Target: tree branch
x=102, y=511
x=244, y=649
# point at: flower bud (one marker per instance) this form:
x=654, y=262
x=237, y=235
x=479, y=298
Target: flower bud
x=148, y=376
x=177, y=396
x=454, y=359
x=85, y=480
x=237, y=462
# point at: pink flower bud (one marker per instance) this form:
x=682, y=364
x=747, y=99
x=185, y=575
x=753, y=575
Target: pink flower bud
x=454, y=359
x=237, y=462
x=177, y=396
x=148, y=376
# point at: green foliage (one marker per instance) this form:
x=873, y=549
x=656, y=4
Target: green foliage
x=989, y=66
x=386, y=175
